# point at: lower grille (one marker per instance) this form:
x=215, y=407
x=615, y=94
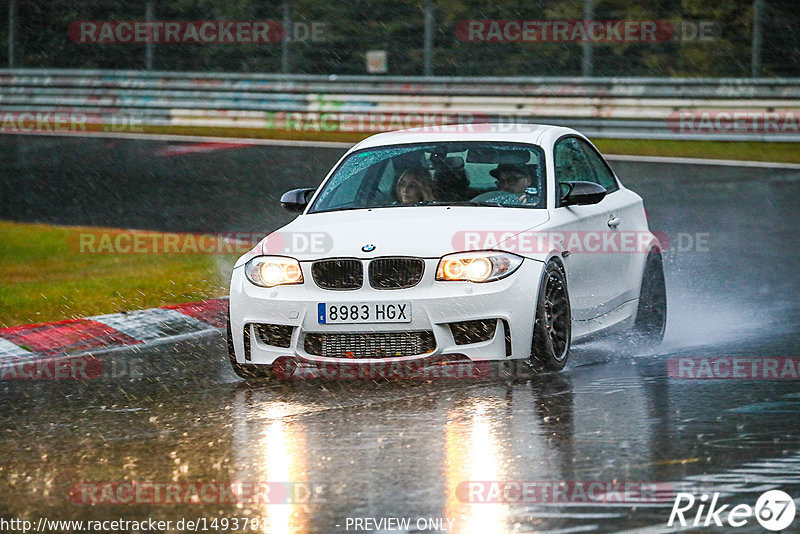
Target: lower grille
x=276, y=335
x=467, y=332
x=372, y=345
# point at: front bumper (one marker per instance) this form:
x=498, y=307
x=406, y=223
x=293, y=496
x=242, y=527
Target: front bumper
x=434, y=305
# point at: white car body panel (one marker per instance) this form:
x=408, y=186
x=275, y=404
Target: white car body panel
x=409, y=231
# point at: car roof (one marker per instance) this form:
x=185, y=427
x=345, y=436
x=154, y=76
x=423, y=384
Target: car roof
x=502, y=132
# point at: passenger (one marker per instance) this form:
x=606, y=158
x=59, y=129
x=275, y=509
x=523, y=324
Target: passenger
x=414, y=186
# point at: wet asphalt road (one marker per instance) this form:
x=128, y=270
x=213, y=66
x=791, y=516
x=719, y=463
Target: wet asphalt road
x=402, y=448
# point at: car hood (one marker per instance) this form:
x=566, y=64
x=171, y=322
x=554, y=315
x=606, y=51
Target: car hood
x=425, y=231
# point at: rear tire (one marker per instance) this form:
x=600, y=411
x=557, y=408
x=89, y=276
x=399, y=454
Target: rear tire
x=651, y=314
x=244, y=370
x=552, y=328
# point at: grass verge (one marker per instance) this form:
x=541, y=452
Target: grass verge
x=735, y=150
x=43, y=277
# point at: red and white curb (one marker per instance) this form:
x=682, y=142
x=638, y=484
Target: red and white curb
x=107, y=332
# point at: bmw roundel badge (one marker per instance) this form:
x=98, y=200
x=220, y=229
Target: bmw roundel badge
x=368, y=248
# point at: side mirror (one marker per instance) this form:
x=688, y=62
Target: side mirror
x=583, y=193
x=296, y=200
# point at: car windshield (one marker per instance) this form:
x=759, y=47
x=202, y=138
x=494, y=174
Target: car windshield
x=436, y=174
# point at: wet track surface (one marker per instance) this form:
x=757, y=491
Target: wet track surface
x=158, y=185
x=403, y=448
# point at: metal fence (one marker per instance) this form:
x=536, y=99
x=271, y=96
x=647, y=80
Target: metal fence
x=414, y=37
x=647, y=108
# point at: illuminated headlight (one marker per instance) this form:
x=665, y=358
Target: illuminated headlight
x=270, y=271
x=477, y=266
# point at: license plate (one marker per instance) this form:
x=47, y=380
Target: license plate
x=363, y=312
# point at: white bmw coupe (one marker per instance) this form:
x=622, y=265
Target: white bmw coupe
x=492, y=242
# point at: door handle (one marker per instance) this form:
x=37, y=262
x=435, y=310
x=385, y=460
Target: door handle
x=613, y=222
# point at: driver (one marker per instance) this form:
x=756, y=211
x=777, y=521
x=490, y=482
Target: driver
x=414, y=186
x=515, y=185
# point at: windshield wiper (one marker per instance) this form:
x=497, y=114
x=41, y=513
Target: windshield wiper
x=418, y=204
x=346, y=208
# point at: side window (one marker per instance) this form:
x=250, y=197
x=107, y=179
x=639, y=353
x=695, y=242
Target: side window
x=603, y=174
x=572, y=164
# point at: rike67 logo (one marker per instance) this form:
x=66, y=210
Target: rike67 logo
x=774, y=510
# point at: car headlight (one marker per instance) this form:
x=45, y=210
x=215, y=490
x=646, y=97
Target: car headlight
x=477, y=266
x=271, y=271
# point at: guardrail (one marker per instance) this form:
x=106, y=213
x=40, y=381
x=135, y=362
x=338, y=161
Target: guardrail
x=650, y=108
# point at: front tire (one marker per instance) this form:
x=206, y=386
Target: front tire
x=552, y=328
x=244, y=370
x=651, y=314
